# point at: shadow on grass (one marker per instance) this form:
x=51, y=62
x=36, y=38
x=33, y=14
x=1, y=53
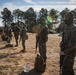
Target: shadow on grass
x=6, y=46
x=6, y=55
x=31, y=72
x=3, y=47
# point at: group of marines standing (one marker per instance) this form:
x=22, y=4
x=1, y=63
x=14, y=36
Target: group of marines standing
x=68, y=43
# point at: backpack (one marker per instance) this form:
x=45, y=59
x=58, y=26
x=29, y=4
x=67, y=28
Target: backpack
x=39, y=65
x=4, y=37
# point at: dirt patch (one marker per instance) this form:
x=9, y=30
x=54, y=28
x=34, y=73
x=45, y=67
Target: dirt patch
x=12, y=62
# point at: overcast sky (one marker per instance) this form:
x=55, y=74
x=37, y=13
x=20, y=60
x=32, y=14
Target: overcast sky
x=37, y=4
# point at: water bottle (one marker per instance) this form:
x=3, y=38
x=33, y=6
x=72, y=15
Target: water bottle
x=27, y=68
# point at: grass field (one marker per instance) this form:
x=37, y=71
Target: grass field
x=12, y=62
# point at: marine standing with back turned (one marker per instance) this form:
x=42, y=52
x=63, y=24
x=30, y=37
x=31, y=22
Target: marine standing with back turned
x=23, y=38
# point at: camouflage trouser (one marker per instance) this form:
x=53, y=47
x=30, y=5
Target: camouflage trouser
x=9, y=38
x=42, y=50
x=68, y=65
x=61, y=60
x=23, y=43
x=16, y=39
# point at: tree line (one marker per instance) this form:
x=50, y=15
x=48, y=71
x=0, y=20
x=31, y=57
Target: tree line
x=30, y=17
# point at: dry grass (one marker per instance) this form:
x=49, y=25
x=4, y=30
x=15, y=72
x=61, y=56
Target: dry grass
x=12, y=62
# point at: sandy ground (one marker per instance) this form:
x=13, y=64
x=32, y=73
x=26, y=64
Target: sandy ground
x=12, y=62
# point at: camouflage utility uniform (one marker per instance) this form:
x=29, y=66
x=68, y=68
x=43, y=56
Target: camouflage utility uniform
x=8, y=33
x=42, y=38
x=16, y=31
x=70, y=46
x=70, y=50
x=23, y=37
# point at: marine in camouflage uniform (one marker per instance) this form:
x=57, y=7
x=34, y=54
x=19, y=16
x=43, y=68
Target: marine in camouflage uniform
x=42, y=38
x=8, y=33
x=16, y=31
x=69, y=45
x=23, y=37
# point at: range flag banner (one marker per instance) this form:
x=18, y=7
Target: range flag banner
x=49, y=19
